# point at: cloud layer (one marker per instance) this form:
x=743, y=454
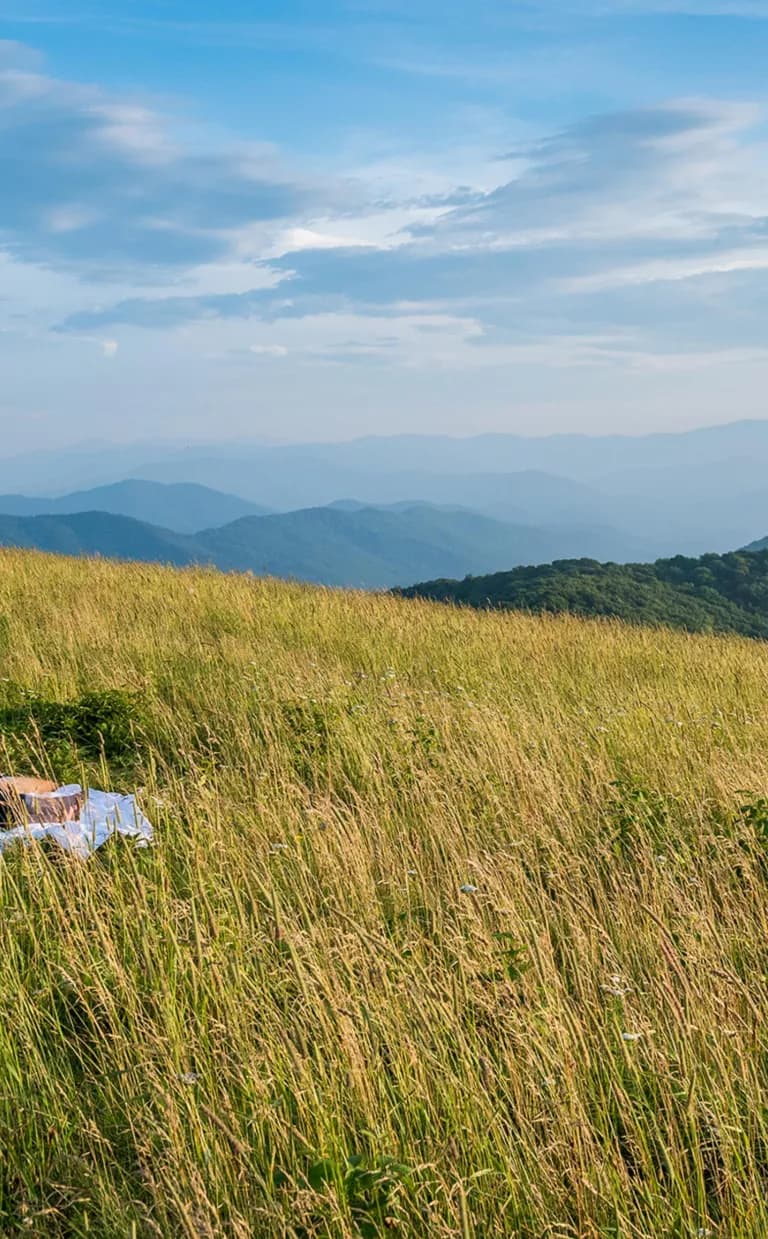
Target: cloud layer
x=504, y=264
x=105, y=184
x=610, y=205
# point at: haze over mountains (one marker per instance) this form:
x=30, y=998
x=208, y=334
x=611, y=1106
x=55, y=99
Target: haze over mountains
x=365, y=547
x=586, y=458
x=390, y=511
x=184, y=507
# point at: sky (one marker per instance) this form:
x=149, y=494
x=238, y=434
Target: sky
x=317, y=219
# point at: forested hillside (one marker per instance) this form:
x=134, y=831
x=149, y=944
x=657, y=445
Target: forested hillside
x=360, y=547
x=714, y=593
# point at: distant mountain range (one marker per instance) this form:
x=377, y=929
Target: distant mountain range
x=760, y=545
x=585, y=458
x=713, y=593
x=371, y=548
x=97, y=533
x=184, y=507
x=691, y=492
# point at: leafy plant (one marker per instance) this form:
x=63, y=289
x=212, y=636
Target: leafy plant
x=514, y=956
x=106, y=724
x=369, y=1185
x=636, y=811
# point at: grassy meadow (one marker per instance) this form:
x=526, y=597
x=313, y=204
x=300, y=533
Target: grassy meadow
x=456, y=924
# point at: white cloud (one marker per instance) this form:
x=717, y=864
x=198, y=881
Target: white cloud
x=156, y=195
x=268, y=350
x=202, y=256
x=670, y=269
x=70, y=217
x=137, y=131
x=293, y=240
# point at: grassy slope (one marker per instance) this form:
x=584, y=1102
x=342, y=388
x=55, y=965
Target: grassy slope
x=337, y=995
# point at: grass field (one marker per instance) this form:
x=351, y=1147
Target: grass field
x=456, y=924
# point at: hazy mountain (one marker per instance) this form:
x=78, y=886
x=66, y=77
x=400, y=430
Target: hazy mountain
x=583, y=458
x=97, y=533
x=662, y=510
x=367, y=547
x=692, y=492
x=714, y=593
x=184, y=507
x=374, y=548
x=295, y=482
x=713, y=506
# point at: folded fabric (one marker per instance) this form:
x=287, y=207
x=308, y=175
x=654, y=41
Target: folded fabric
x=103, y=815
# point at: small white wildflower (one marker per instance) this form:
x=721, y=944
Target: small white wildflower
x=412, y=873
x=468, y=889
x=189, y=1077
x=278, y=847
x=661, y=859
x=628, y=1036
x=616, y=987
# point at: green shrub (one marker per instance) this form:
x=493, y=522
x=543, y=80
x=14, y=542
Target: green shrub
x=106, y=725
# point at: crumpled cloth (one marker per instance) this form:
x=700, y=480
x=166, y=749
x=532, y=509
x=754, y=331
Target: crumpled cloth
x=104, y=814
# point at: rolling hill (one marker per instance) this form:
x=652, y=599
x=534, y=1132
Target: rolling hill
x=365, y=547
x=714, y=593
x=98, y=533
x=375, y=548
x=650, y=496
x=184, y=507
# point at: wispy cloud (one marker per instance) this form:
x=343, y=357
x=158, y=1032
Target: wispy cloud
x=632, y=241
x=693, y=8
x=621, y=200
x=616, y=9
x=103, y=182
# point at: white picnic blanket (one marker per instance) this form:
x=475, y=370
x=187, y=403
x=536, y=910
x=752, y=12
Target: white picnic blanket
x=104, y=814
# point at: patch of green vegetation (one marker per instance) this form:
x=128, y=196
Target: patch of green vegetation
x=637, y=813
x=99, y=726
x=715, y=593
x=369, y=1187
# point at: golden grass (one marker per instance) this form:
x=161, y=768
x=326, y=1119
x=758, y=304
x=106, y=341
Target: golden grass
x=288, y=1019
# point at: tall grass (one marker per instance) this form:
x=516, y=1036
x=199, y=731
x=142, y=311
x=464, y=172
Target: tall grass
x=456, y=924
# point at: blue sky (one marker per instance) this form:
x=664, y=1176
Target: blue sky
x=304, y=220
